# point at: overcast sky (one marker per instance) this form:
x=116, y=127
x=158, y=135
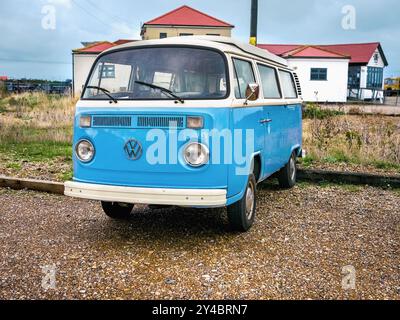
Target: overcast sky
x=31, y=51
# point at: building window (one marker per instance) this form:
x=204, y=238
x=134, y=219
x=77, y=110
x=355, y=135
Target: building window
x=185, y=34
x=376, y=57
x=213, y=34
x=163, y=35
x=354, y=77
x=319, y=74
x=107, y=71
x=375, y=78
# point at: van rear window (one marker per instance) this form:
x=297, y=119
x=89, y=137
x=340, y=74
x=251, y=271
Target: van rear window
x=288, y=86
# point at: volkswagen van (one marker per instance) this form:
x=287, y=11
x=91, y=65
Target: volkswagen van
x=190, y=121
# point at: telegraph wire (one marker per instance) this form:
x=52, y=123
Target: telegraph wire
x=114, y=17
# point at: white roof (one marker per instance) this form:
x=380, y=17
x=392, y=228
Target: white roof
x=224, y=44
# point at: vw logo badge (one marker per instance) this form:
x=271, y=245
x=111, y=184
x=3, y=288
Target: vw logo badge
x=133, y=149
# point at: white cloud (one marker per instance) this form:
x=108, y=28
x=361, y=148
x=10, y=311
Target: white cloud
x=124, y=28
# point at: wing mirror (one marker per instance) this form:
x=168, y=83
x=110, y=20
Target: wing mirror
x=252, y=92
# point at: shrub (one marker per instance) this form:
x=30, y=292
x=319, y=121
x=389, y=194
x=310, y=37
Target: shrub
x=314, y=111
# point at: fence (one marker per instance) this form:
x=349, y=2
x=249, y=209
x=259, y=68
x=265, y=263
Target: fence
x=374, y=96
x=20, y=86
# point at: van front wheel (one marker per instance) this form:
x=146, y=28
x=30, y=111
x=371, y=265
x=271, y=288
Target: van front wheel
x=288, y=175
x=241, y=215
x=117, y=210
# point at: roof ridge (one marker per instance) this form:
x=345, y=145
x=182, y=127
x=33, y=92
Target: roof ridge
x=351, y=44
x=93, y=45
x=188, y=7
x=304, y=47
x=331, y=51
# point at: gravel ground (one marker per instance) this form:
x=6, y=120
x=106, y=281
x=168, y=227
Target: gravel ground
x=297, y=249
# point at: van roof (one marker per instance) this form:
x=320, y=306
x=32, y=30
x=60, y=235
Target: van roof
x=224, y=44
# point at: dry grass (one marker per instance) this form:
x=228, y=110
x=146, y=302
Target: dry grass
x=36, y=136
x=36, y=132
x=365, y=140
x=36, y=117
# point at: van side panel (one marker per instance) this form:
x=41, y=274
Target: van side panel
x=245, y=123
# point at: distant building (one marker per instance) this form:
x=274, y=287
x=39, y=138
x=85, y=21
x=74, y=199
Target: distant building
x=334, y=73
x=327, y=73
x=3, y=78
x=185, y=21
x=84, y=58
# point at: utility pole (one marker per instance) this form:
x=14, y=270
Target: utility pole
x=254, y=22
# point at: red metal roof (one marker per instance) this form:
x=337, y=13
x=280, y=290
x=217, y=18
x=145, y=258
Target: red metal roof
x=96, y=47
x=3, y=78
x=313, y=52
x=360, y=53
x=123, y=41
x=99, y=47
x=279, y=49
x=187, y=16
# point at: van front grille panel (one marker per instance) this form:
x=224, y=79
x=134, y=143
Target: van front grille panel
x=160, y=122
x=112, y=121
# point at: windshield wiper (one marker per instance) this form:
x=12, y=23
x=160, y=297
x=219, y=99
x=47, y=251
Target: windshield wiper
x=164, y=90
x=105, y=91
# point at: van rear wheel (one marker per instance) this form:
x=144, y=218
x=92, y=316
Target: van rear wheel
x=241, y=215
x=116, y=210
x=287, y=176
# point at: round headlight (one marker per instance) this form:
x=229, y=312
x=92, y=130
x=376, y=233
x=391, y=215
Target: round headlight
x=196, y=154
x=84, y=151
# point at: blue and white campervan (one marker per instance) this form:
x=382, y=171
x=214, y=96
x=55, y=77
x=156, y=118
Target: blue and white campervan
x=187, y=121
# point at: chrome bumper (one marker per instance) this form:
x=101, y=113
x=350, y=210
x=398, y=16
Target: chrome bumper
x=178, y=197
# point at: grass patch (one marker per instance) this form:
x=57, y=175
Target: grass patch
x=327, y=184
x=314, y=111
x=386, y=165
x=66, y=176
x=14, y=165
x=307, y=161
x=36, y=151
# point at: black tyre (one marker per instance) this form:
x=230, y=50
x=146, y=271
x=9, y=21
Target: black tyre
x=288, y=174
x=117, y=210
x=241, y=215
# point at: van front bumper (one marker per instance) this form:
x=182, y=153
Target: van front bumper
x=157, y=196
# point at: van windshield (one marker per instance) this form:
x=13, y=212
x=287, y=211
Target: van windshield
x=189, y=73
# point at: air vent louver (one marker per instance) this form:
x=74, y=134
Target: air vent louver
x=160, y=122
x=107, y=121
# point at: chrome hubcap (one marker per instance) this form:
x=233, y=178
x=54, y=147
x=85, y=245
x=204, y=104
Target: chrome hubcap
x=292, y=167
x=249, y=201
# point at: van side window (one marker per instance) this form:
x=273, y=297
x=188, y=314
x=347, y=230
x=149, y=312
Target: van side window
x=288, y=86
x=269, y=82
x=244, y=75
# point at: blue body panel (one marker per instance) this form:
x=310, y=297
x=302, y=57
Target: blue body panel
x=274, y=142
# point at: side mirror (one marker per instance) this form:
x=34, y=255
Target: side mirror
x=252, y=92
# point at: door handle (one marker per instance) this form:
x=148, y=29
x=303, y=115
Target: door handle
x=265, y=121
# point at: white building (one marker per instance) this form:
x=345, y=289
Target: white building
x=84, y=58
x=335, y=73
x=322, y=73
